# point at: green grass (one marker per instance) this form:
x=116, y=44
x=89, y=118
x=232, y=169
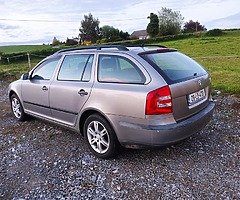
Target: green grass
x=13, y=71
x=23, y=48
x=214, y=53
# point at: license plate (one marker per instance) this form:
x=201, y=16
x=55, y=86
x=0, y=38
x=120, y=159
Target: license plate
x=196, y=97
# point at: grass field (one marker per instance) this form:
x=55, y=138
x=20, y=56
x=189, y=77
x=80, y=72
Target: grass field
x=23, y=48
x=219, y=55
x=13, y=71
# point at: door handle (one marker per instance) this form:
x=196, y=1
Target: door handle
x=82, y=92
x=44, y=88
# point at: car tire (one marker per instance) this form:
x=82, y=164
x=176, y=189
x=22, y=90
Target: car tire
x=100, y=137
x=17, y=108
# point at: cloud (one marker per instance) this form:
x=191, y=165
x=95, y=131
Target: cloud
x=231, y=21
x=8, y=27
x=125, y=15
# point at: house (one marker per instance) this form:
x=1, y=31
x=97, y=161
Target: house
x=73, y=41
x=141, y=34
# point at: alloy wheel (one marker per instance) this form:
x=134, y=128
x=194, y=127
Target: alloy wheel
x=98, y=137
x=16, y=107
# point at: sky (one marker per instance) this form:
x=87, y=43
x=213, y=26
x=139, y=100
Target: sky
x=37, y=22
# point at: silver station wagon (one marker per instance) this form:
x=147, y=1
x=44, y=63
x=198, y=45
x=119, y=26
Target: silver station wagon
x=131, y=96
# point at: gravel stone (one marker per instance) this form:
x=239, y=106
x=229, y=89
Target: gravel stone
x=39, y=160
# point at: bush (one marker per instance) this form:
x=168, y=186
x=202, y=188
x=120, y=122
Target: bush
x=102, y=41
x=155, y=40
x=16, y=57
x=214, y=32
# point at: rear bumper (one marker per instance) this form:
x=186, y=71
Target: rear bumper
x=160, y=135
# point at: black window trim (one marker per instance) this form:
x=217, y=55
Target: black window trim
x=89, y=56
x=116, y=82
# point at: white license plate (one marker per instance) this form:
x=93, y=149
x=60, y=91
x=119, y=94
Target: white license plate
x=196, y=97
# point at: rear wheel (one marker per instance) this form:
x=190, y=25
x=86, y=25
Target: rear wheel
x=100, y=136
x=17, y=108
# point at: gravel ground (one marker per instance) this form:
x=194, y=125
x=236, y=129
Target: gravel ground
x=39, y=160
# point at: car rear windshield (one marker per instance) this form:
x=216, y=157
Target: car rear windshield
x=174, y=66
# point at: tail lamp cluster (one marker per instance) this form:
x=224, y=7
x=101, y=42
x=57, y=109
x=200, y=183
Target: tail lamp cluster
x=159, y=101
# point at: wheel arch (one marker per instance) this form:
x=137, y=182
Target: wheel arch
x=86, y=113
x=11, y=92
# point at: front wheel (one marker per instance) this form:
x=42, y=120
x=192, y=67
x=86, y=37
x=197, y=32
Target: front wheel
x=100, y=136
x=17, y=108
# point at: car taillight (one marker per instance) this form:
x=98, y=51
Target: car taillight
x=159, y=101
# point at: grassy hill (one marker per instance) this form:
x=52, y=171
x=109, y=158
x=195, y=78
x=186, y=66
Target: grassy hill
x=219, y=55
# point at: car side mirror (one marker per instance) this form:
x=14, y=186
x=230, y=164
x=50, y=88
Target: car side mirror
x=25, y=76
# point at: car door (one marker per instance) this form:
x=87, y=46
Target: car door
x=35, y=90
x=121, y=86
x=71, y=87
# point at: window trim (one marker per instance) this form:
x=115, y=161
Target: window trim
x=89, y=56
x=128, y=60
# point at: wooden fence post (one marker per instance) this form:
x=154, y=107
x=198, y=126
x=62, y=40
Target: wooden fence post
x=29, y=61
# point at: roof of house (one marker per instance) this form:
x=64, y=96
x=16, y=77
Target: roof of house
x=139, y=33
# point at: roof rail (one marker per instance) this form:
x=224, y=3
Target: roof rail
x=145, y=45
x=97, y=47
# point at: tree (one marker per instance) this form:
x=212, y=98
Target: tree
x=124, y=35
x=111, y=34
x=153, y=26
x=55, y=42
x=191, y=26
x=89, y=29
x=170, y=22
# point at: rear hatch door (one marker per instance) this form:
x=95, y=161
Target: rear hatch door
x=189, y=82
x=190, y=97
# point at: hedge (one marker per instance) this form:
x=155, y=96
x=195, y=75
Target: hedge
x=15, y=57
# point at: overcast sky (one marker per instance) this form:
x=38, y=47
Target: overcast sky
x=62, y=18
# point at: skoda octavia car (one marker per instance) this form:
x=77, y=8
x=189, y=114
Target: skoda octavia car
x=117, y=95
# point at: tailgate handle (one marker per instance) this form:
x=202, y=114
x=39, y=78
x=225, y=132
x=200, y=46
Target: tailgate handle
x=82, y=92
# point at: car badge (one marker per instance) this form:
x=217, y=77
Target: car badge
x=200, y=82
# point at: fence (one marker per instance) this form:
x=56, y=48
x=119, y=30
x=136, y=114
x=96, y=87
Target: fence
x=25, y=56
x=20, y=57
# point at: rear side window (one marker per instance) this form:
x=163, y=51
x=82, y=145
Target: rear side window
x=76, y=68
x=174, y=66
x=118, y=69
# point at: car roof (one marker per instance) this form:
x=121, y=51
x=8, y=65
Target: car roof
x=113, y=48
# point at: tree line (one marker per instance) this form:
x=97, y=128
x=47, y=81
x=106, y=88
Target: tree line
x=167, y=22
x=90, y=31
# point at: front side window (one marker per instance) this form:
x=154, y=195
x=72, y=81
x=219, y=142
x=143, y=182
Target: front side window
x=45, y=70
x=76, y=68
x=117, y=69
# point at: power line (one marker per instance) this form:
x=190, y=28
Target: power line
x=35, y=20
x=130, y=19
x=62, y=21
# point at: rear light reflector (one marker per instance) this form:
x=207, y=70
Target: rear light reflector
x=159, y=101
